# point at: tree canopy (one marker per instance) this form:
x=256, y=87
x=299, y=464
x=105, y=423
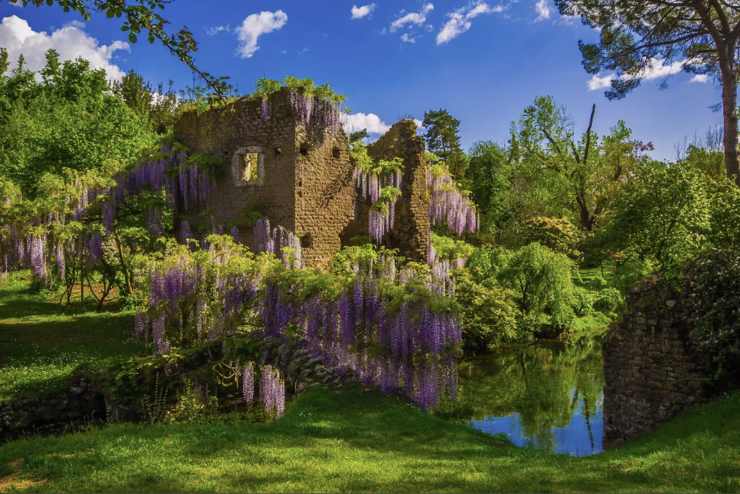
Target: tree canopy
x=636, y=34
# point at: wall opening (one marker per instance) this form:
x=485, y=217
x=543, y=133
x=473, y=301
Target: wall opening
x=307, y=241
x=248, y=166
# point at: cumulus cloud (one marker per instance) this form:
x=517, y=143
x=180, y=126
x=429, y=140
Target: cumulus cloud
x=412, y=19
x=656, y=69
x=461, y=20
x=542, y=7
x=70, y=41
x=700, y=79
x=362, y=11
x=355, y=122
x=256, y=25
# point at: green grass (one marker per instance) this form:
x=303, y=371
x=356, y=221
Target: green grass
x=361, y=441
x=41, y=340
x=329, y=441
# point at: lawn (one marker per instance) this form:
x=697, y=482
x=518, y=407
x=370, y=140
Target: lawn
x=41, y=340
x=329, y=440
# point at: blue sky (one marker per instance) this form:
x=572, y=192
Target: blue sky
x=483, y=61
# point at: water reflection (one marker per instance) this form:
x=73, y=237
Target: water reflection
x=549, y=397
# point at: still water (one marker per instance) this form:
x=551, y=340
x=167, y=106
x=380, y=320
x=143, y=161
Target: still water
x=547, y=397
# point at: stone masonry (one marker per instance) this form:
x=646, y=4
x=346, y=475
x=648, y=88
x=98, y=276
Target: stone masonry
x=302, y=177
x=650, y=370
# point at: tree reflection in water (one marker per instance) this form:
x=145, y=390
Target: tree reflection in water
x=547, y=396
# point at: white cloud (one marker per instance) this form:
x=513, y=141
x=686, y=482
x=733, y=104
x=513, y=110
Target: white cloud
x=598, y=82
x=70, y=41
x=362, y=10
x=214, y=30
x=358, y=121
x=542, y=7
x=408, y=38
x=412, y=18
x=656, y=69
x=700, y=79
x=461, y=20
x=255, y=26
x=419, y=124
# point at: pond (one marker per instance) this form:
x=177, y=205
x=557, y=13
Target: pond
x=543, y=396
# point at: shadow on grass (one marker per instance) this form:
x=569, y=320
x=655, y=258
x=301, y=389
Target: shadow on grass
x=351, y=440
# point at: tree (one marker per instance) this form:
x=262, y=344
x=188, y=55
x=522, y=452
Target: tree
x=143, y=16
x=443, y=139
x=489, y=175
x=591, y=169
x=636, y=34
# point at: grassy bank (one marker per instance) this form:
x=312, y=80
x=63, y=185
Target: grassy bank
x=359, y=441
x=329, y=441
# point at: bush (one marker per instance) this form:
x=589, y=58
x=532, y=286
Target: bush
x=488, y=314
x=558, y=234
x=608, y=301
x=712, y=304
x=542, y=282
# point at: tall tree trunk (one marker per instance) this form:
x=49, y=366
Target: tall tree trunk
x=729, y=110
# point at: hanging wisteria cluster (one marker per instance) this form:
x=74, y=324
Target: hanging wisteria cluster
x=403, y=347
x=199, y=297
x=272, y=391
x=448, y=206
x=380, y=185
x=279, y=241
x=314, y=111
x=188, y=185
x=443, y=282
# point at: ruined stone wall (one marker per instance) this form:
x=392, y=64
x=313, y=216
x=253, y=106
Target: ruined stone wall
x=307, y=182
x=412, y=232
x=650, y=370
x=324, y=193
x=237, y=126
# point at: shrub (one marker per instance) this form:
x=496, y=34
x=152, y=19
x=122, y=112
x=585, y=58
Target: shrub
x=712, y=304
x=542, y=282
x=488, y=314
x=558, y=234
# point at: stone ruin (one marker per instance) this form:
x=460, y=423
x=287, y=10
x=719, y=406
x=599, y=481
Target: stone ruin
x=289, y=161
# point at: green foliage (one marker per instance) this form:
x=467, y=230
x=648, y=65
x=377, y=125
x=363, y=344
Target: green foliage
x=662, y=217
x=266, y=87
x=489, y=176
x=451, y=248
x=558, y=234
x=441, y=133
x=489, y=316
x=68, y=120
x=191, y=406
x=542, y=282
x=711, y=298
x=362, y=161
x=725, y=217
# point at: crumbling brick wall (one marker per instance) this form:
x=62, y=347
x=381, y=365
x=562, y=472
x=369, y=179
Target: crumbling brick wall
x=412, y=232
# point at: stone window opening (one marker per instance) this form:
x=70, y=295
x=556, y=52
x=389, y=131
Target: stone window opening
x=248, y=166
x=307, y=241
x=336, y=153
x=304, y=149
